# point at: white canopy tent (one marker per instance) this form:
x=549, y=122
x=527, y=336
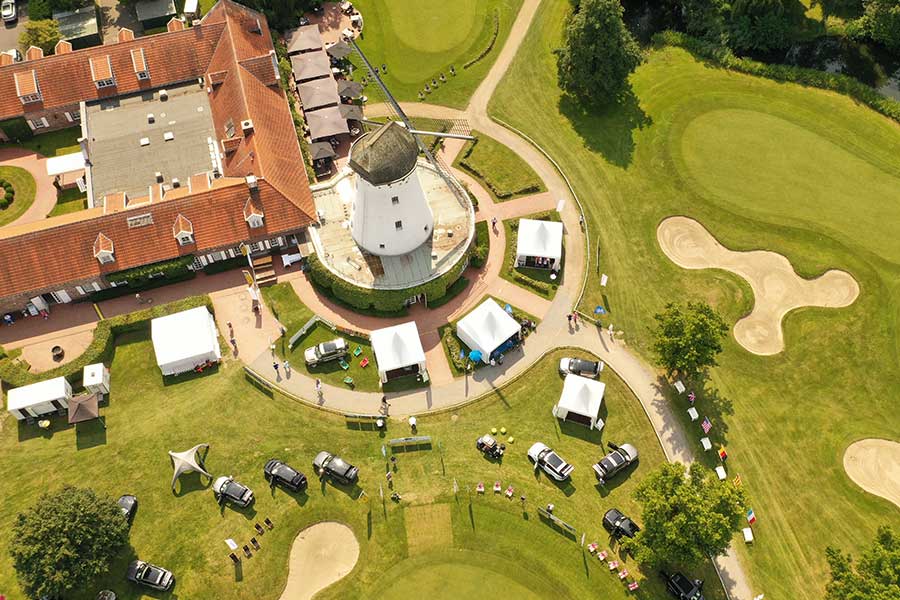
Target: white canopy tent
x=39, y=399
x=580, y=401
x=486, y=328
x=185, y=340
x=539, y=241
x=67, y=163
x=398, y=351
x=187, y=462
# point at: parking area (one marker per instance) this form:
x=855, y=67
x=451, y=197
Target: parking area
x=9, y=32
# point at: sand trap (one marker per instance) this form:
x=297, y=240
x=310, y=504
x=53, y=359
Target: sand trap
x=776, y=287
x=322, y=554
x=874, y=465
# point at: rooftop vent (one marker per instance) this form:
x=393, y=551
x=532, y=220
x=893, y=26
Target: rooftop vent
x=168, y=136
x=176, y=183
x=252, y=182
x=151, y=118
x=159, y=177
x=247, y=126
x=163, y=95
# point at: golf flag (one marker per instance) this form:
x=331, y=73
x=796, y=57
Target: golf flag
x=722, y=454
x=737, y=481
x=706, y=425
x=582, y=539
x=751, y=516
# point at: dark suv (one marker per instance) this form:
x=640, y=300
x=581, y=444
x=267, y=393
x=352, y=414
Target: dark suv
x=279, y=472
x=681, y=587
x=335, y=467
x=617, y=524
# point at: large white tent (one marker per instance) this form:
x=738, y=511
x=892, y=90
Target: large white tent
x=539, y=241
x=185, y=340
x=398, y=351
x=580, y=401
x=188, y=462
x=487, y=328
x=39, y=399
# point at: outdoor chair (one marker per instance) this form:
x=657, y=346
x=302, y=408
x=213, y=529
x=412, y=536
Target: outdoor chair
x=602, y=555
x=592, y=547
x=234, y=558
x=247, y=552
x=496, y=487
x=479, y=488
x=364, y=362
x=623, y=574
x=357, y=351
x=348, y=381
x=344, y=364
x=269, y=523
x=509, y=492
x=613, y=565
x=633, y=586
x=255, y=543
x=259, y=529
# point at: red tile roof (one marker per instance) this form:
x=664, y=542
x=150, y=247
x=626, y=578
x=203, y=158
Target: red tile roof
x=101, y=67
x=62, y=47
x=125, y=35
x=26, y=83
x=182, y=225
x=34, y=53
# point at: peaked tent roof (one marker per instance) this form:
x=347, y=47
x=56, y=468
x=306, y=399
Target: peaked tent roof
x=539, y=238
x=303, y=38
x=582, y=396
x=188, y=461
x=84, y=408
x=486, y=327
x=310, y=65
x=326, y=122
x=318, y=93
x=388, y=154
x=397, y=347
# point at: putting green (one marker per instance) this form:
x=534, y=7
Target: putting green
x=753, y=162
x=464, y=575
x=423, y=24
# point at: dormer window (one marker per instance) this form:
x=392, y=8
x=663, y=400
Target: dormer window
x=27, y=87
x=101, y=72
x=253, y=214
x=139, y=62
x=183, y=231
x=103, y=249
x=255, y=221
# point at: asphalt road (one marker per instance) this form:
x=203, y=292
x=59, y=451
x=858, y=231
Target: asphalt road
x=9, y=32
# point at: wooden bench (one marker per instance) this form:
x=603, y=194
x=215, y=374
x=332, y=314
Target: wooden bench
x=418, y=442
x=360, y=421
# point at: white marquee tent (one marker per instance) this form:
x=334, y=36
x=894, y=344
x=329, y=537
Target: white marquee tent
x=539, y=240
x=398, y=350
x=580, y=401
x=39, y=399
x=486, y=328
x=188, y=462
x=185, y=340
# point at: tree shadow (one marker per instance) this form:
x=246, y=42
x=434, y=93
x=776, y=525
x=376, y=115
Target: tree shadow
x=608, y=129
x=89, y=434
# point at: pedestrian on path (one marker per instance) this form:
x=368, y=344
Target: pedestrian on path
x=277, y=372
x=287, y=368
x=575, y=319
x=385, y=405
x=319, y=388
x=569, y=319
x=494, y=224
x=612, y=333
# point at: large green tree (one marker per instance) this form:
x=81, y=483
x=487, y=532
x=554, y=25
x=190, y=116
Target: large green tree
x=599, y=53
x=65, y=540
x=44, y=34
x=764, y=24
x=707, y=19
x=881, y=22
x=688, y=338
x=684, y=519
x=876, y=577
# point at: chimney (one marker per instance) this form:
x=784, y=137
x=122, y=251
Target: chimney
x=125, y=35
x=6, y=59
x=62, y=47
x=252, y=183
x=174, y=25
x=247, y=126
x=34, y=53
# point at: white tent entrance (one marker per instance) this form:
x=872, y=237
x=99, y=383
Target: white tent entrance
x=539, y=244
x=489, y=330
x=185, y=341
x=188, y=462
x=580, y=401
x=398, y=351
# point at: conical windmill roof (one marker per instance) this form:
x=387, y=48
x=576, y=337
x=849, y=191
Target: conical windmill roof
x=385, y=155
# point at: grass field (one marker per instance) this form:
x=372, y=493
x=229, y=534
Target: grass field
x=500, y=170
x=68, y=201
x=24, y=186
x=532, y=279
x=53, y=143
x=805, y=173
x=491, y=538
x=420, y=39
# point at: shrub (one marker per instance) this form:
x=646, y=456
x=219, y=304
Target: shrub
x=453, y=348
x=4, y=203
x=225, y=265
x=17, y=129
x=452, y=292
x=482, y=245
x=490, y=45
x=169, y=268
x=843, y=84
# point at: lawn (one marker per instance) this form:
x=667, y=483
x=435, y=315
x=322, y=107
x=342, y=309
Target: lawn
x=53, y=143
x=500, y=170
x=487, y=539
x=761, y=165
x=24, y=186
x=420, y=39
x=532, y=279
x=68, y=201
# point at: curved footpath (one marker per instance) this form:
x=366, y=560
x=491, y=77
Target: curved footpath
x=554, y=330
x=44, y=192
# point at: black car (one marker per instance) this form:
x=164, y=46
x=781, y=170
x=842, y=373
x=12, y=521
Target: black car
x=128, y=504
x=617, y=524
x=227, y=489
x=143, y=573
x=618, y=459
x=681, y=587
x=489, y=446
x=336, y=468
x=579, y=366
x=280, y=473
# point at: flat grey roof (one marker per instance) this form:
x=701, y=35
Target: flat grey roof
x=78, y=23
x=117, y=125
x=154, y=9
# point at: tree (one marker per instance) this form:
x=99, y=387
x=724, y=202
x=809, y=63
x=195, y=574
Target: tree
x=685, y=519
x=44, y=34
x=66, y=539
x=688, y=338
x=877, y=577
x=599, y=53
x=707, y=19
x=881, y=22
x=763, y=24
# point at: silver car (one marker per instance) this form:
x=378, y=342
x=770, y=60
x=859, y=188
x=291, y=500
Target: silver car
x=553, y=465
x=8, y=11
x=332, y=350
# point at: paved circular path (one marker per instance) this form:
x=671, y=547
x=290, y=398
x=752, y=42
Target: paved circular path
x=776, y=286
x=321, y=555
x=874, y=465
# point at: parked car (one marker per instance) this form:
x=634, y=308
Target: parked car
x=326, y=351
x=489, y=446
x=618, y=459
x=227, y=489
x=617, y=524
x=682, y=588
x=128, y=504
x=143, y=573
x=579, y=366
x=544, y=457
x=280, y=473
x=8, y=11
x=335, y=467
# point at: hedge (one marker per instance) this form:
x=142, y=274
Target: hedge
x=13, y=374
x=226, y=265
x=168, y=268
x=490, y=45
x=724, y=57
x=16, y=129
x=453, y=291
x=482, y=245
x=141, y=286
x=367, y=300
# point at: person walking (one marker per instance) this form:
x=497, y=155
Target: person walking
x=569, y=319
x=287, y=368
x=575, y=319
x=275, y=366
x=319, y=388
x=612, y=332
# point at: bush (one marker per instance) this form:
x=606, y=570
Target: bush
x=169, y=268
x=453, y=291
x=482, y=245
x=4, y=203
x=843, y=84
x=225, y=265
x=453, y=348
x=144, y=285
x=17, y=129
x=490, y=45
x=38, y=9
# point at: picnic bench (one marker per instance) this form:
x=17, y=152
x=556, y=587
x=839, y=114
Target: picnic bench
x=416, y=442
x=361, y=420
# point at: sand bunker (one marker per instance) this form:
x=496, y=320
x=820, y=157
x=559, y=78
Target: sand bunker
x=874, y=465
x=777, y=288
x=322, y=554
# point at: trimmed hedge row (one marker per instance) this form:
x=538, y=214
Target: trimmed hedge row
x=167, y=268
x=482, y=245
x=843, y=84
x=13, y=374
x=453, y=348
x=490, y=45
x=366, y=300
